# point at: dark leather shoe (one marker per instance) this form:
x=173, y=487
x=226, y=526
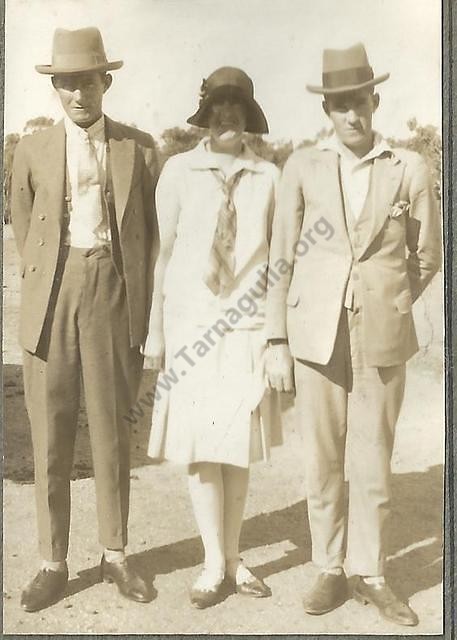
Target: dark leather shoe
x=252, y=587
x=202, y=597
x=45, y=589
x=328, y=593
x=128, y=582
x=389, y=606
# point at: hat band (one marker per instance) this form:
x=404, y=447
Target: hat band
x=347, y=77
x=77, y=60
x=229, y=89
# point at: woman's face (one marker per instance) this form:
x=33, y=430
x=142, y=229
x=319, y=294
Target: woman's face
x=227, y=122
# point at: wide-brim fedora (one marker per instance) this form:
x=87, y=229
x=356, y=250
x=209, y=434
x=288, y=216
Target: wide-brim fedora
x=345, y=70
x=78, y=51
x=233, y=83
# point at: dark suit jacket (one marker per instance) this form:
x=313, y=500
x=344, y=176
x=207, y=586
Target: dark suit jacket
x=395, y=259
x=38, y=207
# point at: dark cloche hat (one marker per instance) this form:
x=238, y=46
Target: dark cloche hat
x=231, y=82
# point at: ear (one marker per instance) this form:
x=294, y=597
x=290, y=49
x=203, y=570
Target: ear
x=375, y=101
x=108, y=82
x=325, y=107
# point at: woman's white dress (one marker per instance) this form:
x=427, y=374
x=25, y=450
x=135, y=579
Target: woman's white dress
x=211, y=403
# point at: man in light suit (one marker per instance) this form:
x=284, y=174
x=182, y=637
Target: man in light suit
x=84, y=221
x=341, y=315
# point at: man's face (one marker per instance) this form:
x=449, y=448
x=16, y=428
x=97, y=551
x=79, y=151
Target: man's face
x=227, y=120
x=81, y=95
x=351, y=115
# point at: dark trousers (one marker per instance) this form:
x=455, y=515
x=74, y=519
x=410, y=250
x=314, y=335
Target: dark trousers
x=348, y=412
x=85, y=340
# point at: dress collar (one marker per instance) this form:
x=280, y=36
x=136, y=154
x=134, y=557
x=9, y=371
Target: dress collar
x=203, y=158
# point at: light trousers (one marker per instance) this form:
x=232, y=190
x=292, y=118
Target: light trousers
x=348, y=412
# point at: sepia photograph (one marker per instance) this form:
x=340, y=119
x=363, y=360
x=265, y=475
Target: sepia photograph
x=224, y=406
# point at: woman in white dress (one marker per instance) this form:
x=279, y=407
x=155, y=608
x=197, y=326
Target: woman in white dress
x=212, y=410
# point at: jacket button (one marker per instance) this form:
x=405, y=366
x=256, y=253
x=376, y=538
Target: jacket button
x=42, y=216
x=32, y=268
x=67, y=199
x=41, y=242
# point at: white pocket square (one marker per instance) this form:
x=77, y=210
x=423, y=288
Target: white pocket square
x=399, y=208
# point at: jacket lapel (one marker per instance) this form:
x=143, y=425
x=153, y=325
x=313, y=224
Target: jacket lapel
x=386, y=177
x=328, y=177
x=122, y=159
x=54, y=165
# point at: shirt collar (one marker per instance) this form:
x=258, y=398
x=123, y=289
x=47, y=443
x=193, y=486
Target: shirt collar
x=96, y=131
x=380, y=146
x=204, y=158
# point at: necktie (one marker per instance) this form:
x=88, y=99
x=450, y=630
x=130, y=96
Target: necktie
x=221, y=264
x=91, y=209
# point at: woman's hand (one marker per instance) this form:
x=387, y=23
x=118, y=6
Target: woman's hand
x=154, y=350
x=279, y=367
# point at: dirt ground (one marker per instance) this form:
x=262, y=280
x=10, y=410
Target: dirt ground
x=164, y=543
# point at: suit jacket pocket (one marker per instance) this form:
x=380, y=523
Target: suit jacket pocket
x=404, y=301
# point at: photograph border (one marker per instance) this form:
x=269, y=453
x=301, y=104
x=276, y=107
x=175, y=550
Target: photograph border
x=449, y=190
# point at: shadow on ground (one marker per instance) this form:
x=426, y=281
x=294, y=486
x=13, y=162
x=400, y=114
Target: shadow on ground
x=17, y=442
x=415, y=544
x=414, y=547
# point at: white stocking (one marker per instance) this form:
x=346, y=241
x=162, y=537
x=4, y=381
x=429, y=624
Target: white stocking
x=207, y=496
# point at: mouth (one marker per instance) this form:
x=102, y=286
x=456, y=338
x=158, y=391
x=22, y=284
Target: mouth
x=229, y=125
x=228, y=134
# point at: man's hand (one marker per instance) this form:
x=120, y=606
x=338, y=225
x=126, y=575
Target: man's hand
x=154, y=350
x=279, y=367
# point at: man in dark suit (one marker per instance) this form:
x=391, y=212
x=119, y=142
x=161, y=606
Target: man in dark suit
x=357, y=225
x=85, y=225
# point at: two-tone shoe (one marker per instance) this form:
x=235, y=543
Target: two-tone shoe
x=388, y=604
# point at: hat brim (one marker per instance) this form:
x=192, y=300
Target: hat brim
x=347, y=88
x=256, y=121
x=49, y=69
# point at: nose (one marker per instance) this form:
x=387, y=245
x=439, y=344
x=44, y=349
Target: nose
x=227, y=107
x=352, y=116
x=77, y=94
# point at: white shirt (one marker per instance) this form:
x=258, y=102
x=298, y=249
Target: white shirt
x=355, y=172
x=84, y=206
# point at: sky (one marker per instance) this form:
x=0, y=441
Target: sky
x=169, y=46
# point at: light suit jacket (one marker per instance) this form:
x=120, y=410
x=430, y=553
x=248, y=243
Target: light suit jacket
x=38, y=208
x=395, y=258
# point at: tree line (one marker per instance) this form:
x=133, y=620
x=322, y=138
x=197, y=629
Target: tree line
x=425, y=139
